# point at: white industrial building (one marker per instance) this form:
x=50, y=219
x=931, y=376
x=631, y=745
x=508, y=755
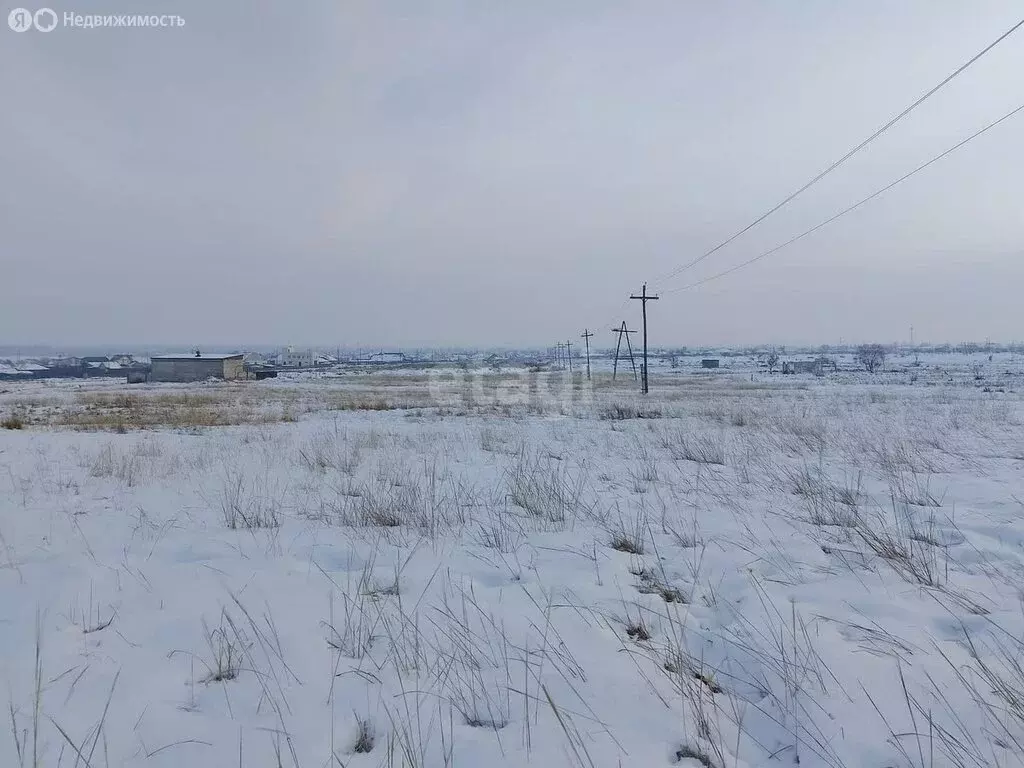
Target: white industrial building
x=290, y=357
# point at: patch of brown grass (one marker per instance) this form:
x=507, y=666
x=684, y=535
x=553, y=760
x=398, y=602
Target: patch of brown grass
x=121, y=412
x=366, y=403
x=13, y=421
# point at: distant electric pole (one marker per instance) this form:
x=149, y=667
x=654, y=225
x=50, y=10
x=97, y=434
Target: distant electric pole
x=622, y=330
x=644, y=298
x=568, y=354
x=586, y=338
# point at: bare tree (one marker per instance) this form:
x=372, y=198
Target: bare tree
x=871, y=356
x=772, y=362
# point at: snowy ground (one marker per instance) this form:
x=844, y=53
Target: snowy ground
x=499, y=569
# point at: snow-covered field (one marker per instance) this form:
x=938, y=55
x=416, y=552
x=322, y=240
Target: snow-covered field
x=505, y=569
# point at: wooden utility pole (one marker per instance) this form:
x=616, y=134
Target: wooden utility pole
x=644, y=298
x=568, y=354
x=586, y=338
x=622, y=330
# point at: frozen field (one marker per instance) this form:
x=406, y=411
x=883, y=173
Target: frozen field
x=451, y=569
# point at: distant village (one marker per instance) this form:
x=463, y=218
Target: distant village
x=199, y=364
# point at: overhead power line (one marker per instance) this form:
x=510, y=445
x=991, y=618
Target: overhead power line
x=853, y=207
x=845, y=157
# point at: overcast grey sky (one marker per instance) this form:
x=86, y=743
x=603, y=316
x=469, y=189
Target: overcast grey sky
x=485, y=172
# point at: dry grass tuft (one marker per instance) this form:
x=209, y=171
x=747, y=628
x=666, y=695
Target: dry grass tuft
x=909, y=547
x=228, y=649
x=652, y=583
x=13, y=421
x=365, y=737
x=638, y=630
x=701, y=448
x=249, y=502
x=688, y=753
x=629, y=538
x=623, y=411
x=546, y=489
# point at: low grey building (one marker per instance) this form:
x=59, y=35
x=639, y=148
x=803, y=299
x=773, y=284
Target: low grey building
x=196, y=367
x=818, y=366
x=709, y=363
x=799, y=366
